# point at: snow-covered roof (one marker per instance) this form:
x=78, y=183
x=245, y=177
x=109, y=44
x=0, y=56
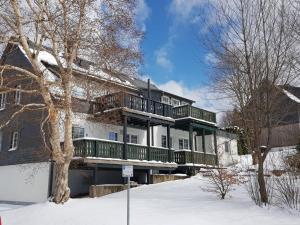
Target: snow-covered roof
x=45, y=57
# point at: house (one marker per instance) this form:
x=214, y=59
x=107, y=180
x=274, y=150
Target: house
x=286, y=133
x=130, y=122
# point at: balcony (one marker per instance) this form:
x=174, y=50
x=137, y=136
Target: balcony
x=115, y=150
x=186, y=157
x=130, y=101
x=193, y=112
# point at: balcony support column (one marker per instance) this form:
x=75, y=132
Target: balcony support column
x=148, y=140
x=191, y=142
x=169, y=142
x=216, y=147
x=203, y=144
x=95, y=175
x=124, y=138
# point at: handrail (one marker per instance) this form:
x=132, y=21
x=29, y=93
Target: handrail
x=194, y=112
x=109, y=149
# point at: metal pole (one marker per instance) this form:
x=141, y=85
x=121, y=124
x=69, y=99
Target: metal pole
x=128, y=201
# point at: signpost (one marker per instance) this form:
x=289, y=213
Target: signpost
x=127, y=171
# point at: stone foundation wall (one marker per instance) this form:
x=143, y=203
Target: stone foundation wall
x=105, y=189
x=159, y=178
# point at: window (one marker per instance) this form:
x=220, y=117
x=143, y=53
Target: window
x=113, y=136
x=165, y=99
x=186, y=143
x=132, y=139
x=77, y=132
x=127, y=138
x=14, y=141
x=175, y=102
x=18, y=95
x=2, y=100
x=163, y=141
x=183, y=144
x=171, y=142
x=0, y=140
x=227, y=146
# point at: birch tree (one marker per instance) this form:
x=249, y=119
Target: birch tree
x=255, y=50
x=103, y=31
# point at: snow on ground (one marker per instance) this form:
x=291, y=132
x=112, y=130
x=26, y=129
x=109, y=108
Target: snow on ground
x=180, y=202
x=274, y=161
x=4, y=207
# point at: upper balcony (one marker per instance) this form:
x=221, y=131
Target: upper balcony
x=188, y=111
x=139, y=104
x=133, y=102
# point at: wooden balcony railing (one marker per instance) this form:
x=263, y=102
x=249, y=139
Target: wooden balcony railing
x=122, y=99
x=194, y=112
x=115, y=150
x=186, y=157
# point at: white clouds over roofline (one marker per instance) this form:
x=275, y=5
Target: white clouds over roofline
x=204, y=96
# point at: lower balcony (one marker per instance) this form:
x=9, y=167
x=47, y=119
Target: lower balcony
x=113, y=150
x=185, y=157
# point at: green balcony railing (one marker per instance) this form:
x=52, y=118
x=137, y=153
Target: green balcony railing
x=115, y=150
x=186, y=157
x=130, y=101
x=194, y=112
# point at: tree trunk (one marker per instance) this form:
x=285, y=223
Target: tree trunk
x=261, y=182
x=61, y=189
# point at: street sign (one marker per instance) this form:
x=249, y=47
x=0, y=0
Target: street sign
x=127, y=171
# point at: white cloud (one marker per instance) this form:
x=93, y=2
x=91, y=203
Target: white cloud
x=183, y=8
x=162, y=59
x=205, y=97
x=210, y=59
x=142, y=14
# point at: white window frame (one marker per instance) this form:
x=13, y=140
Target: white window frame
x=165, y=99
x=129, y=138
x=14, y=141
x=18, y=95
x=166, y=141
x=134, y=136
x=1, y=139
x=185, y=143
x=175, y=102
x=116, y=136
x=2, y=101
x=227, y=147
x=81, y=133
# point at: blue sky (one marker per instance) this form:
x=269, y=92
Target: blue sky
x=174, y=57
x=172, y=49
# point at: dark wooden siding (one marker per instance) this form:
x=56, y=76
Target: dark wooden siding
x=31, y=145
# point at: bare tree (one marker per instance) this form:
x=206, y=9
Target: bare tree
x=60, y=32
x=255, y=51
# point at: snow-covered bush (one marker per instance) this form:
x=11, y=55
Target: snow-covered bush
x=221, y=181
x=287, y=191
x=252, y=187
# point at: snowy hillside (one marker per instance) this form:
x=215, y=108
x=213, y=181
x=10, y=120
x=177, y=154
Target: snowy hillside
x=181, y=202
